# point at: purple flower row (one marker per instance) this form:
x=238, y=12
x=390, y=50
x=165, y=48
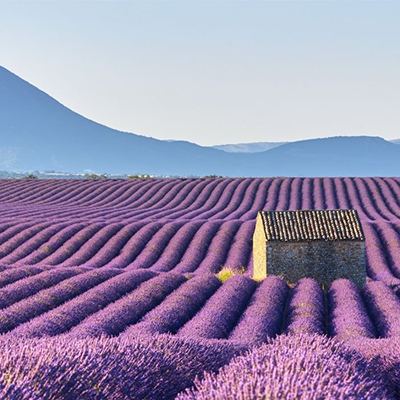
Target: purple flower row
x=30, y=285
x=306, y=309
x=263, y=317
x=12, y=275
x=384, y=307
x=66, y=316
x=128, y=310
x=177, y=308
x=374, y=198
x=48, y=299
x=348, y=315
x=147, y=367
x=293, y=367
x=222, y=311
x=155, y=246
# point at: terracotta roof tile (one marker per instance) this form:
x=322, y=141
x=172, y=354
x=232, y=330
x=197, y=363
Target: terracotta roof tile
x=305, y=225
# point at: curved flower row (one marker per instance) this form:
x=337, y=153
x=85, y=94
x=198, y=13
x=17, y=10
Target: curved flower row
x=37, y=302
x=204, y=199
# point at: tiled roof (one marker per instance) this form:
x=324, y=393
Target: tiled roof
x=304, y=225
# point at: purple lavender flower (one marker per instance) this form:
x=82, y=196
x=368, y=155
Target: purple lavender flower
x=14, y=274
x=26, y=287
x=177, y=308
x=154, y=367
x=74, y=311
x=128, y=310
x=384, y=308
x=293, y=367
x=263, y=317
x=348, y=316
x=306, y=308
x=48, y=299
x=222, y=311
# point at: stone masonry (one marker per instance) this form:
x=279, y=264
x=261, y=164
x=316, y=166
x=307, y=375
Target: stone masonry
x=322, y=244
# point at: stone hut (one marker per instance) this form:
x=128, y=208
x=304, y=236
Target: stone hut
x=322, y=244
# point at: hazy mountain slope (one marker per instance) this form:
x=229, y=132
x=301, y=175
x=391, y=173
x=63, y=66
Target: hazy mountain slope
x=337, y=156
x=256, y=147
x=37, y=132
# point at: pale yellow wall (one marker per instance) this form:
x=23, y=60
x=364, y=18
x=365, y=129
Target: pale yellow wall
x=259, y=250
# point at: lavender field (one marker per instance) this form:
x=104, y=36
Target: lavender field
x=108, y=285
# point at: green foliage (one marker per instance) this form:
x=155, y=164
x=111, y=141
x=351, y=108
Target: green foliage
x=96, y=176
x=212, y=176
x=139, y=176
x=225, y=274
x=30, y=176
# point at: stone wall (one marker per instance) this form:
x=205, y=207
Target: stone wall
x=324, y=261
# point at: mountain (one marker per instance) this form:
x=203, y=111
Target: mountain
x=337, y=156
x=39, y=133
x=256, y=147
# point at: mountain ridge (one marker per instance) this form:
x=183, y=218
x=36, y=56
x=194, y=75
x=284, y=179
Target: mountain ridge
x=39, y=133
x=258, y=147
x=254, y=147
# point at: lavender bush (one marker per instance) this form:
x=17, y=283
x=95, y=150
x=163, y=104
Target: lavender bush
x=70, y=314
x=12, y=275
x=263, y=317
x=148, y=367
x=293, y=367
x=306, y=308
x=384, y=307
x=348, y=315
x=222, y=311
x=382, y=355
x=177, y=308
x=113, y=319
x=48, y=299
x=26, y=287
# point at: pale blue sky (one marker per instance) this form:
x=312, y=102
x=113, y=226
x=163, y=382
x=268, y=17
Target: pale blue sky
x=214, y=72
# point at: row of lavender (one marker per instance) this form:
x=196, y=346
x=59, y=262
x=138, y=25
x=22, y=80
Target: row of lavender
x=165, y=367
x=182, y=247
x=193, y=199
x=81, y=280
x=95, y=302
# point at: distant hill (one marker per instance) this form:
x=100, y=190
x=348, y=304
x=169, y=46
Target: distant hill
x=337, y=156
x=256, y=147
x=39, y=133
